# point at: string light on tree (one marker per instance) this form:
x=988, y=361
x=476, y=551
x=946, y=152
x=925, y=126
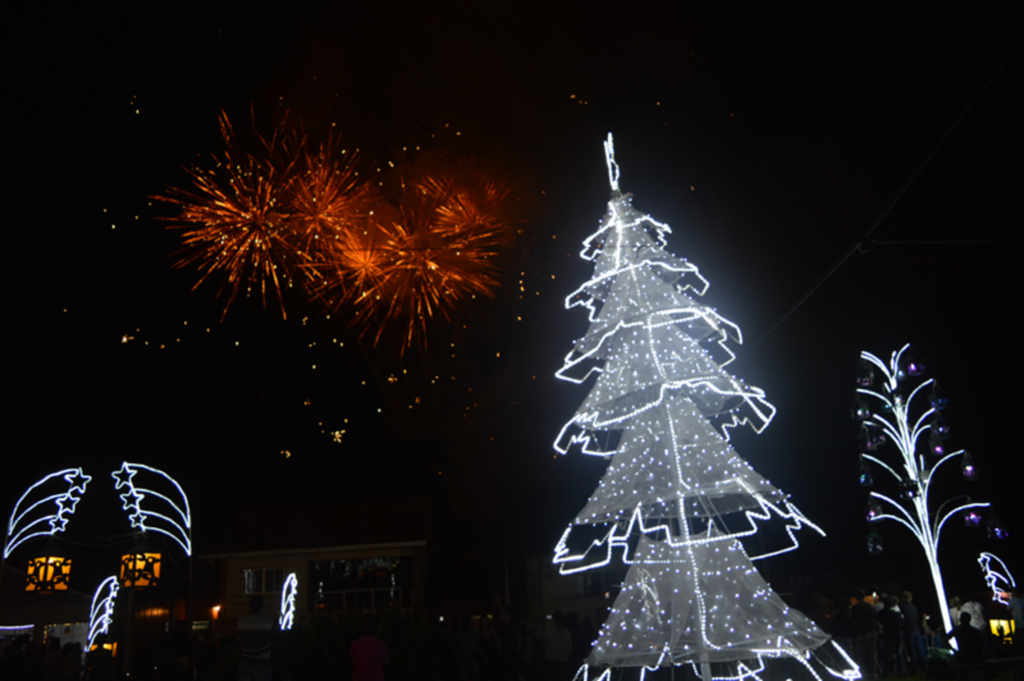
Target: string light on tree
x=660, y=407
x=885, y=414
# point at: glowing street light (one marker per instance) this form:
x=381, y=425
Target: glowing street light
x=48, y=572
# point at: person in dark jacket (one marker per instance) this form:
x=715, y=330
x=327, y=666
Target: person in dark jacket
x=969, y=641
x=865, y=639
x=99, y=661
x=913, y=641
x=891, y=640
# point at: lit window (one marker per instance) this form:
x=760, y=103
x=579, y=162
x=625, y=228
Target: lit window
x=262, y=580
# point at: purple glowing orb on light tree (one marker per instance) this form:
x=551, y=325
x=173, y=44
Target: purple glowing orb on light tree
x=660, y=409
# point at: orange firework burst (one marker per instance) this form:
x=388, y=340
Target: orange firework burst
x=472, y=207
x=260, y=218
x=420, y=258
x=352, y=264
x=328, y=200
x=236, y=219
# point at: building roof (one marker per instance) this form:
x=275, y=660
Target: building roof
x=308, y=526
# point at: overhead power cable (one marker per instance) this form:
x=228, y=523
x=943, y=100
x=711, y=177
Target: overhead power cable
x=857, y=246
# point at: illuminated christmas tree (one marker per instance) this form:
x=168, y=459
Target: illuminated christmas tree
x=676, y=497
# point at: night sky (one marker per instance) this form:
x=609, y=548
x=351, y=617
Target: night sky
x=769, y=139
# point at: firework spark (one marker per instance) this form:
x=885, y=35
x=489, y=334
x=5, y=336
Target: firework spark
x=236, y=220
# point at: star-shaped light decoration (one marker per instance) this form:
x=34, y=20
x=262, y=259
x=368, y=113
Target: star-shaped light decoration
x=78, y=480
x=138, y=520
x=67, y=504
x=131, y=500
x=124, y=476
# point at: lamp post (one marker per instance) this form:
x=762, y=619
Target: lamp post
x=155, y=502
x=140, y=567
x=48, y=571
x=885, y=415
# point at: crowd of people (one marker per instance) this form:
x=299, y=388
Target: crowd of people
x=26, y=660
x=888, y=637
x=50, y=661
x=510, y=648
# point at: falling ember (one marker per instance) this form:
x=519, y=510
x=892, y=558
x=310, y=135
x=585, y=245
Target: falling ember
x=235, y=219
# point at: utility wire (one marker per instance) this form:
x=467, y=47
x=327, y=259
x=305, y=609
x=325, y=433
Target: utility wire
x=913, y=242
x=885, y=211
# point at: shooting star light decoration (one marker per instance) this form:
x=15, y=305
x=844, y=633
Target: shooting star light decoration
x=24, y=523
x=164, y=515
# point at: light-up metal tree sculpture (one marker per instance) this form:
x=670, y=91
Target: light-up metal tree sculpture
x=885, y=413
x=660, y=409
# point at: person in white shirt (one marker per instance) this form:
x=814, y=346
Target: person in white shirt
x=557, y=648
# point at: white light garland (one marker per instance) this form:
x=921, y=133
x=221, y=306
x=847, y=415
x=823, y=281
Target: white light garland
x=997, y=578
x=618, y=535
x=101, y=614
x=657, y=358
x=25, y=523
x=288, y=594
x=12, y=629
